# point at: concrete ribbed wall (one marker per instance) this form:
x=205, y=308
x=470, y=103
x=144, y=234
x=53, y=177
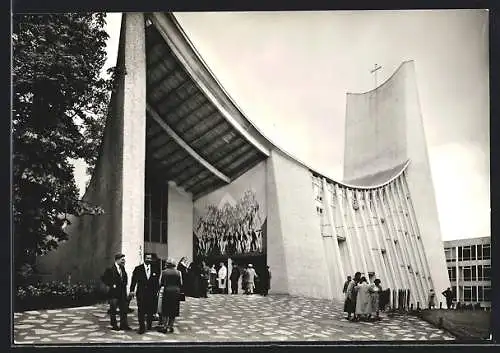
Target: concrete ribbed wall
x=376, y=231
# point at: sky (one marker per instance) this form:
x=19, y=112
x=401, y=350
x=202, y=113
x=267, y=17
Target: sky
x=289, y=73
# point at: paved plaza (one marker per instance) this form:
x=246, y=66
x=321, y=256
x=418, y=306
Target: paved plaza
x=224, y=318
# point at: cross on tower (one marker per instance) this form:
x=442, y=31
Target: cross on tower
x=374, y=71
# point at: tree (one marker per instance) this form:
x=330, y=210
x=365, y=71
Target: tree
x=59, y=109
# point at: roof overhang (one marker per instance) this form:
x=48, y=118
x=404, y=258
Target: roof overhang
x=196, y=135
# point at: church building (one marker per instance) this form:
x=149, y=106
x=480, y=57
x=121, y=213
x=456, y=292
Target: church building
x=182, y=172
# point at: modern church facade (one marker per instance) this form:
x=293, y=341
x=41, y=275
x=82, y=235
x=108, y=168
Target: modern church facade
x=182, y=172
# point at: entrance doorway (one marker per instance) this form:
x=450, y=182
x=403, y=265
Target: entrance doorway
x=258, y=262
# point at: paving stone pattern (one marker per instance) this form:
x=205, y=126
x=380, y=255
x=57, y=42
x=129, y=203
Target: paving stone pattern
x=224, y=318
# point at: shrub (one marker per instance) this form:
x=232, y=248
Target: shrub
x=55, y=294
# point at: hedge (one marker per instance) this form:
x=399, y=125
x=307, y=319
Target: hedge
x=54, y=295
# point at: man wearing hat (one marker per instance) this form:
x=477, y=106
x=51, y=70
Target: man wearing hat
x=116, y=279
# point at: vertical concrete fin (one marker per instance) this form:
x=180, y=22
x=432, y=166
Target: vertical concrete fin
x=331, y=244
x=180, y=221
x=275, y=238
x=134, y=138
x=339, y=274
x=300, y=229
x=99, y=237
x=420, y=185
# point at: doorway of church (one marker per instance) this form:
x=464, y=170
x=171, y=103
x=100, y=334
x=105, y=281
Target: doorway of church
x=258, y=262
x=241, y=262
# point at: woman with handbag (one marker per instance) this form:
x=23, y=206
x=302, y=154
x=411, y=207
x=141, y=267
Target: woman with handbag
x=170, y=295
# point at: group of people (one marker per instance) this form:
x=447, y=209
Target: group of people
x=363, y=300
x=196, y=278
x=247, y=274
x=249, y=277
x=448, y=294
x=156, y=290
x=201, y=279
x=160, y=291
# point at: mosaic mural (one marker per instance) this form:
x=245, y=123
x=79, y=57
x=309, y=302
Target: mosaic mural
x=231, y=228
x=231, y=221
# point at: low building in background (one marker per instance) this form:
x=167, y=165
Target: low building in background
x=469, y=270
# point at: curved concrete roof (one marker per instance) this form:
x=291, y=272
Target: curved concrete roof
x=197, y=136
x=378, y=179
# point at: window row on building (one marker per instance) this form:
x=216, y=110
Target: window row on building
x=469, y=253
x=470, y=273
x=473, y=293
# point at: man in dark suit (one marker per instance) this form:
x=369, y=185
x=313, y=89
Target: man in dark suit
x=146, y=277
x=346, y=284
x=266, y=281
x=116, y=279
x=235, y=276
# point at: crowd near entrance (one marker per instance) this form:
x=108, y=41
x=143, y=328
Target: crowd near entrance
x=228, y=275
x=221, y=274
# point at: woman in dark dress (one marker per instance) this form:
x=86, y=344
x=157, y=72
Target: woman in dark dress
x=204, y=279
x=265, y=281
x=350, y=298
x=213, y=279
x=183, y=268
x=170, y=289
x=192, y=282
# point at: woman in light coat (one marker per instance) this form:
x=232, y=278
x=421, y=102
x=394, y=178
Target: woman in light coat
x=363, y=299
x=252, y=275
x=432, y=299
x=375, y=289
